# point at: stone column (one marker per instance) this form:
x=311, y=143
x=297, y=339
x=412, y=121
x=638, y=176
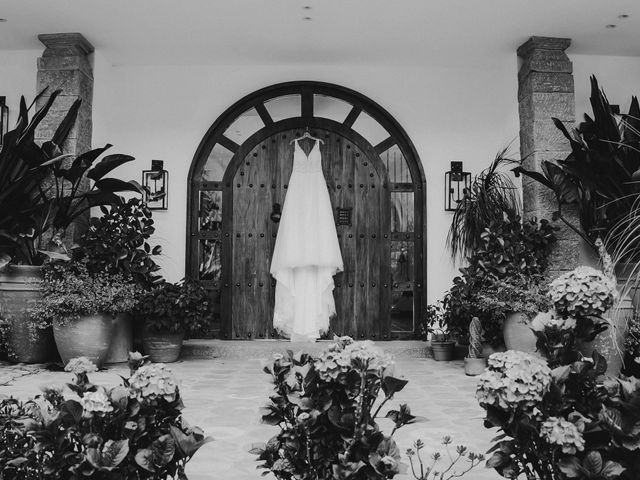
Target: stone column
x=545, y=90
x=66, y=65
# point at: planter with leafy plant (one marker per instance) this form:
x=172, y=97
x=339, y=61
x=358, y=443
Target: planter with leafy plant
x=504, y=273
x=117, y=242
x=130, y=431
x=433, y=327
x=516, y=301
x=81, y=308
x=41, y=193
x=475, y=362
x=168, y=312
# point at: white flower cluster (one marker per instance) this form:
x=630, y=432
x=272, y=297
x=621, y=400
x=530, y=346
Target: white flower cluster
x=80, y=365
x=347, y=354
x=96, y=402
x=558, y=431
x=551, y=320
x=513, y=380
x=154, y=381
x=582, y=292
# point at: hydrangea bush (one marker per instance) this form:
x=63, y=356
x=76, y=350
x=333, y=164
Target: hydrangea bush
x=560, y=416
x=130, y=431
x=583, y=292
x=326, y=409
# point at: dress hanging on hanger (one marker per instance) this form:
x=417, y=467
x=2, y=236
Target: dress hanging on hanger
x=307, y=253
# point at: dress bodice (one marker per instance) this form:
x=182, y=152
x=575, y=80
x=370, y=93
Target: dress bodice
x=307, y=163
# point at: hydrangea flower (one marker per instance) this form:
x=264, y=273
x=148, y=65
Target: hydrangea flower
x=513, y=380
x=558, y=431
x=544, y=320
x=96, y=402
x=154, y=381
x=80, y=365
x=347, y=354
x=582, y=292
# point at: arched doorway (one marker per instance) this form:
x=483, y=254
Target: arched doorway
x=238, y=179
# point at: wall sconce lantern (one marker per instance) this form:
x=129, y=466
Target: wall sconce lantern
x=156, y=185
x=4, y=118
x=456, y=184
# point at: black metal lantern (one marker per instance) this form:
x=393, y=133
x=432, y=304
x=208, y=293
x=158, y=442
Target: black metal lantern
x=4, y=118
x=156, y=186
x=456, y=184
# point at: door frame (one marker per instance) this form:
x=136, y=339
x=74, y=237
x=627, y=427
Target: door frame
x=306, y=90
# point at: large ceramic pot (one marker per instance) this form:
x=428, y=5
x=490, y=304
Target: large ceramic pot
x=122, y=339
x=443, y=351
x=517, y=334
x=610, y=343
x=88, y=336
x=162, y=347
x=19, y=292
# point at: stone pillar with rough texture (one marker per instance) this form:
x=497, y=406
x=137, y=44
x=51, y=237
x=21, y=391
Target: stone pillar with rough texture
x=66, y=65
x=545, y=90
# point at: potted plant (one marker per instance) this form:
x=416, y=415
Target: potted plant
x=510, y=252
x=515, y=301
x=40, y=196
x=475, y=362
x=168, y=312
x=81, y=308
x=117, y=242
x=327, y=411
x=132, y=430
x=433, y=327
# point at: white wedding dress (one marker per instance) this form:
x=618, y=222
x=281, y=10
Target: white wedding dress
x=306, y=253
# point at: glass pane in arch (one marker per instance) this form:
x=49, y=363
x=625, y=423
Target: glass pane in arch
x=210, y=260
x=210, y=211
x=402, y=311
x=402, y=218
x=331, y=108
x=244, y=126
x=287, y=106
x=396, y=164
x=370, y=129
x=216, y=164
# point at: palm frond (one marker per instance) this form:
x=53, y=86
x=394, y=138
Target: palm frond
x=491, y=195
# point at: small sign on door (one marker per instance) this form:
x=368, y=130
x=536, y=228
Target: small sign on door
x=344, y=216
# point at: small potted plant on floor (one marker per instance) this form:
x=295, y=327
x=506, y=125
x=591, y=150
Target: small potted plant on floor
x=168, y=312
x=433, y=327
x=81, y=308
x=475, y=362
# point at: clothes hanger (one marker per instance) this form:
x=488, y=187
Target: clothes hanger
x=307, y=135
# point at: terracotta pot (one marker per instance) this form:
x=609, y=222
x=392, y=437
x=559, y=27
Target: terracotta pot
x=20, y=291
x=443, y=351
x=121, y=340
x=162, y=347
x=474, y=366
x=88, y=336
x=610, y=343
x=517, y=334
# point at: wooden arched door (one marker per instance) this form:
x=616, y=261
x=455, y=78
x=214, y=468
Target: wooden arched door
x=377, y=189
x=358, y=189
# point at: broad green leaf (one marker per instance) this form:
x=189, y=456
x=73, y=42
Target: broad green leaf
x=107, y=164
x=570, y=466
x=392, y=385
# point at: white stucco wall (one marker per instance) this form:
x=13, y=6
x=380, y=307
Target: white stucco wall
x=17, y=77
x=618, y=76
x=163, y=112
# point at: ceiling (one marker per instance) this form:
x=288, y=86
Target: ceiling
x=407, y=32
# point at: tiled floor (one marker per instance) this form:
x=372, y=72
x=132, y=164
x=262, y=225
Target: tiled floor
x=223, y=397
